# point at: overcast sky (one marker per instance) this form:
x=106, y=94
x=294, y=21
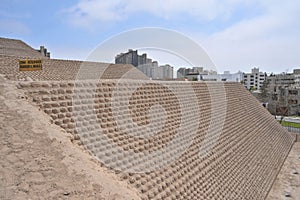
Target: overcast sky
x=236, y=34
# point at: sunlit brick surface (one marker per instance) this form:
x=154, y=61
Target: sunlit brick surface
x=17, y=48
x=242, y=164
x=58, y=70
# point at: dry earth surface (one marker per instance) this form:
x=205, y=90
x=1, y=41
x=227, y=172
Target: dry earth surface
x=287, y=183
x=39, y=161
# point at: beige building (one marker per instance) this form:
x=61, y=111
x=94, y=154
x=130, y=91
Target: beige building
x=283, y=94
x=254, y=80
x=155, y=72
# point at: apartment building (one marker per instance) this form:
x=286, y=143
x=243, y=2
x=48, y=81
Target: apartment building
x=254, y=80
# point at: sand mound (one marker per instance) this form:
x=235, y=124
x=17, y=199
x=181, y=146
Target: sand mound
x=38, y=161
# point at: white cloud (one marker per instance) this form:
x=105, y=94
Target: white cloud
x=89, y=12
x=269, y=38
x=86, y=12
x=270, y=41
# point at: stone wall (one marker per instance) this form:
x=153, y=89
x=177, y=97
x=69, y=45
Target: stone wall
x=14, y=47
x=63, y=70
x=245, y=157
x=242, y=164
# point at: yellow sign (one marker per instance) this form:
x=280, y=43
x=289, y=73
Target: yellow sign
x=30, y=65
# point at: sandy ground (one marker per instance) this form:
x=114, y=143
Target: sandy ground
x=39, y=161
x=287, y=184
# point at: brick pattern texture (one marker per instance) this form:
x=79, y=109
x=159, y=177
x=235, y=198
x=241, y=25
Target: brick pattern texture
x=242, y=164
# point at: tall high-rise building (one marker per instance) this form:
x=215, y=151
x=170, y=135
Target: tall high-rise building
x=166, y=71
x=146, y=65
x=132, y=57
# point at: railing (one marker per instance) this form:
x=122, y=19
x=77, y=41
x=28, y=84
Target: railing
x=292, y=124
x=292, y=129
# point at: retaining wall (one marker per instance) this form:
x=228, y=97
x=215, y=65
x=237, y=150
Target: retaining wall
x=240, y=161
x=64, y=70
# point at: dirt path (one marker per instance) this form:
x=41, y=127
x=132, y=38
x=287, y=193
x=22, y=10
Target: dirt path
x=287, y=184
x=38, y=161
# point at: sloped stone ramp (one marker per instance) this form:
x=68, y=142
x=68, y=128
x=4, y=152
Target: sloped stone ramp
x=242, y=163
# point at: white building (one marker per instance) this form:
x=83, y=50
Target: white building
x=255, y=79
x=236, y=77
x=165, y=72
x=297, y=76
x=195, y=72
x=154, y=71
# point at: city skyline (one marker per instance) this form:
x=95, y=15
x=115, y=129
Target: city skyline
x=237, y=35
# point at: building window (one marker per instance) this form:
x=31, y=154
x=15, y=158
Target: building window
x=292, y=101
x=293, y=92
